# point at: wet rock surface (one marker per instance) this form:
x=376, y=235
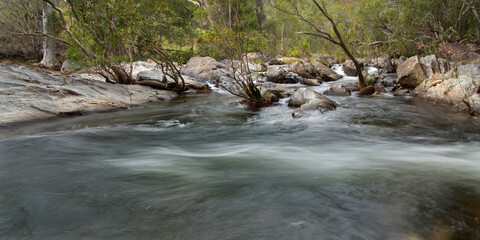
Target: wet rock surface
x=308, y=100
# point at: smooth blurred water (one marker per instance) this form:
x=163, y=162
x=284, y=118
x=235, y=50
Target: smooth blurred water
x=204, y=167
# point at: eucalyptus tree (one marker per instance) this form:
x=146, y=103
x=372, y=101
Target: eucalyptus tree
x=109, y=32
x=49, y=46
x=327, y=29
x=21, y=22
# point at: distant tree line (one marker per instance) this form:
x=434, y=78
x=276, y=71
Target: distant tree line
x=114, y=30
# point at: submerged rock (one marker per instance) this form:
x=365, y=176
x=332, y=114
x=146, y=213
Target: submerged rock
x=308, y=100
x=367, y=91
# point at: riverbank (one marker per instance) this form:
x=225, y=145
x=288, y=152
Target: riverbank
x=27, y=94
x=31, y=94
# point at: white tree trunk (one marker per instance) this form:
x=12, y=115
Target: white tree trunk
x=49, y=50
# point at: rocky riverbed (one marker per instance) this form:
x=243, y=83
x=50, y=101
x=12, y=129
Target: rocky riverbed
x=29, y=94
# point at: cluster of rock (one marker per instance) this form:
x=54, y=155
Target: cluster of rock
x=442, y=81
x=458, y=87
x=28, y=94
x=307, y=100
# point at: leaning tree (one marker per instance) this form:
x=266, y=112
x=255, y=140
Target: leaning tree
x=329, y=32
x=109, y=32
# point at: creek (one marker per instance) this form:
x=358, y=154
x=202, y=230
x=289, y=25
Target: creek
x=204, y=167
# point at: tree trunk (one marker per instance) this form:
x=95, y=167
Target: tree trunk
x=342, y=44
x=49, y=49
x=260, y=12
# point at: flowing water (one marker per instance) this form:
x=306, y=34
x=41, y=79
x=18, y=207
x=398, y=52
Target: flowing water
x=204, y=167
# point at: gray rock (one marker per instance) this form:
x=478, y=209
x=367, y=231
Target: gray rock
x=410, y=73
x=397, y=62
x=326, y=73
x=385, y=64
x=28, y=95
x=429, y=65
x=349, y=68
x=459, y=89
x=151, y=75
x=308, y=100
x=338, y=91
x=469, y=69
x=279, y=75
x=206, y=68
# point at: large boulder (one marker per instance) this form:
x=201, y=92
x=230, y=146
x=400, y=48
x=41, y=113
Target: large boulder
x=156, y=75
x=430, y=65
x=207, y=69
x=410, y=76
x=384, y=63
x=308, y=100
x=279, y=75
x=410, y=73
x=304, y=69
x=27, y=94
x=349, y=68
x=338, y=91
x=326, y=73
x=314, y=71
x=458, y=88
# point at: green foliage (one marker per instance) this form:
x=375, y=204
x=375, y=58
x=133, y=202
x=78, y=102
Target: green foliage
x=115, y=28
x=210, y=43
x=74, y=53
x=302, y=50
